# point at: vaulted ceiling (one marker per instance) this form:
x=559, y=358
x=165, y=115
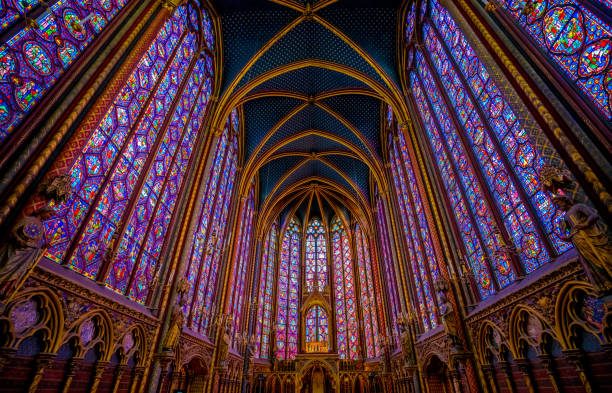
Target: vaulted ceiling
x=311, y=78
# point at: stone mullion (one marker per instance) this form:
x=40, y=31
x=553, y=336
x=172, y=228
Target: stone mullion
x=478, y=171
x=226, y=270
x=213, y=205
x=94, y=202
x=250, y=276
x=403, y=169
x=424, y=151
x=545, y=65
x=527, y=202
x=406, y=244
x=390, y=224
x=587, y=174
x=358, y=295
x=381, y=300
x=418, y=242
x=461, y=186
x=252, y=313
x=387, y=328
x=140, y=183
x=118, y=59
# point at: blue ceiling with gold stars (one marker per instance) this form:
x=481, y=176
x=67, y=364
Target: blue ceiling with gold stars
x=311, y=78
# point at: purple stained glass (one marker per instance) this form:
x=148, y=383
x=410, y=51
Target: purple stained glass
x=576, y=40
x=426, y=306
x=148, y=222
x=24, y=316
x=344, y=289
x=511, y=206
x=96, y=161
x=316, y=260
x=287, y=303
x=123, y=179
x=209, y=238
x=317, y=327
x=505, y=125
x=410, y=21
x=241, y=262
x=368, y=304
x=475, y=249
x=387, y=262
x=35, y=58
x=266, y=282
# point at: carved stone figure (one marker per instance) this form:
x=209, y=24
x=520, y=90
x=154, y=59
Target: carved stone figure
x=177, y=320
x=224, y=346
x=22, y=248
x=57, y=189
x=404, y=333
x=448, y=316
x=587, y=231
x=553, y=179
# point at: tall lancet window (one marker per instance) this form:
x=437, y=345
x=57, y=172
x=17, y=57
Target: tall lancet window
x=317, y=329
x=241, y=261
x=316, y=259
x=368, y=301
x=288, y=297
x=210, y=236
x=577, y=38
x=264, y=298
x=34, y=58
x=344, y=289
x=387, y=263
x=485, y=158
x=423, y=263
x=128, y=177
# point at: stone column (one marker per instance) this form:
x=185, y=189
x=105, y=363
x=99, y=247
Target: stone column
x=43, y=361
x=576, y=357
x=73, y=367
x=98, y=371
x=549, y=365
x=118, y=374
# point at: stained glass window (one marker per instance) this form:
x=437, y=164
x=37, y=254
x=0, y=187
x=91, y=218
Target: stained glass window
x=128, y=177
x=316, y=260
x=344, y=290
x=368, y=303
x=288, y=297
x=32, y=60
x=241, y=259
x=210, y=236
x=317, y=329
x=505, y=126
x=264, y=298
x=387, y=263
x=481, y=150
x=576, y=39
x=420, y=249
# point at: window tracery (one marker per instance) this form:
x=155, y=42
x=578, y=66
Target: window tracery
x=316, y=258
x=264, y=299
x=344, y=289
x=288, y=298
x=128, y=177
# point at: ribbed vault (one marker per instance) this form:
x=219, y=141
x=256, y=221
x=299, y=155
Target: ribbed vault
x=311, y=78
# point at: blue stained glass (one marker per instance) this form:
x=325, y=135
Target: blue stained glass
x=102, y=149
x=287, y=303
x=577, y=41
x=266, y=283
x=35, y=58
x=483, y=216
x=504, y=123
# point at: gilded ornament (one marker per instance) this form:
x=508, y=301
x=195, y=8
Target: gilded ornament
x=552, y=179
x=57, y=189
